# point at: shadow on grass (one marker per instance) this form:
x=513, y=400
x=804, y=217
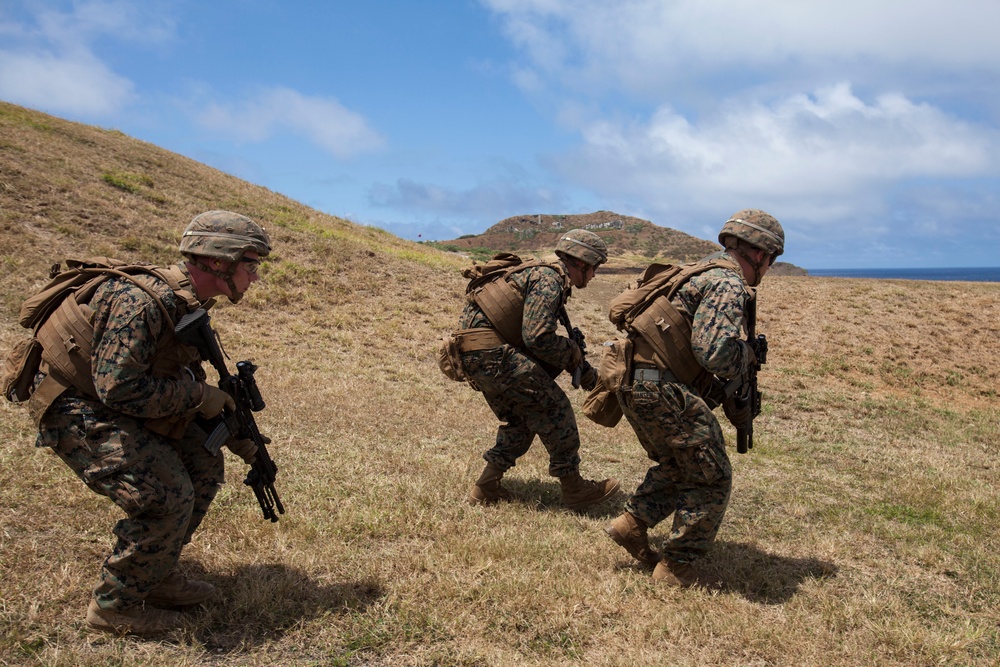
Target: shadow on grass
x=758, y=576
x=763, y=577
x=260, y=603
x=546, y=496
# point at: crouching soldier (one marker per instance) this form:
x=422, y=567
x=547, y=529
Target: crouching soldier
x=124, y=421
x=668, y=399
x=512, y=353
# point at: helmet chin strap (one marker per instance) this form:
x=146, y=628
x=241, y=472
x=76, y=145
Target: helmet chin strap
x=755, y=264
x=234, y=294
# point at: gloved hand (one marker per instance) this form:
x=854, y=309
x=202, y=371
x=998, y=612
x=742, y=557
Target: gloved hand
x=737, y=416
x=575, y=357
x=588, y=379
x=246, y=449
x=213, y=401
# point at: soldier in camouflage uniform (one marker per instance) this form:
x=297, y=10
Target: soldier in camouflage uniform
x=519, y=384
x=136, y=441
x=692, y=476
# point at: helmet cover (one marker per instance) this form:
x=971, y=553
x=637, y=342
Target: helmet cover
x=586, y=246
x=224, y=235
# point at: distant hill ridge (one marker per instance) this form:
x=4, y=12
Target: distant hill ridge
x=627, y=237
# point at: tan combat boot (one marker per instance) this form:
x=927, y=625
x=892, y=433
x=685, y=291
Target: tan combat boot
x=579, y=493
x=683, y=575
x=142, y=621
x=487, y=490
x=630, y=533
x=179, y=591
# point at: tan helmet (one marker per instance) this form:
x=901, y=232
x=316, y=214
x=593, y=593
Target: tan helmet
x=586, y=246
x=224, y=235
x=757, y=228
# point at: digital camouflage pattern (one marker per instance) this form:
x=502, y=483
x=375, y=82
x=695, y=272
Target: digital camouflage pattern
x=716, y=302
x=520, y=389
x=692, y=477
x=164, y=486
x=129, y=330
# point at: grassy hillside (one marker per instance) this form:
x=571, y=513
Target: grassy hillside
x=861, y=528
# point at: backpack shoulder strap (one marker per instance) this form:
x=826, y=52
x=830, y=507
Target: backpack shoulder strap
x=179, y=281
x=148, y=290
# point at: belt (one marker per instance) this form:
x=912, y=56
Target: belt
x=474, y=340
x=650, y=373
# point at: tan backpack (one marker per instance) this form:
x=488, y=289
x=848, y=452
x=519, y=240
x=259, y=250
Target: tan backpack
x=501, y=302
x=62, y=324
x=645, y=310
x=498, y=297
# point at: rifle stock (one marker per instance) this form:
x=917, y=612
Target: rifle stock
x=195, y=329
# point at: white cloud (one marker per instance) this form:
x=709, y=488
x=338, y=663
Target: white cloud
x=88, y=21
x=636, y=44
x=830, y=143
x=324, y=121
x=48, y=63
x=73, y=84
x=839, y=171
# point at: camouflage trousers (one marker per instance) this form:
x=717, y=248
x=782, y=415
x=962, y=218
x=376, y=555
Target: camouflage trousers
x=529, y=402
x=164, y=487
x=692, y=476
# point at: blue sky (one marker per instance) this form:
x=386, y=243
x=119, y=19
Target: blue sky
x=869, y=128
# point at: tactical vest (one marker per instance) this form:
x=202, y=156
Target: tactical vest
x=661, y=333
x=66, y=335
x=500, y=299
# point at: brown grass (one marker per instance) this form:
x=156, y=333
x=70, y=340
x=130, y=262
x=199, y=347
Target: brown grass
x=861, y=529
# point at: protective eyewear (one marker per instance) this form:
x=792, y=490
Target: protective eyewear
x=252, y=265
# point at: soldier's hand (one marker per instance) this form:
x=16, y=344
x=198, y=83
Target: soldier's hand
x=246, y=449
x=213, y=401
x=588, y=379
x=737, y=416
x=575, y=357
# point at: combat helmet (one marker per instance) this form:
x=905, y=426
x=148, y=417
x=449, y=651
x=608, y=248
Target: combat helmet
x=585, y=246
x=227, y=236
x=224, y=235
x=756, y=228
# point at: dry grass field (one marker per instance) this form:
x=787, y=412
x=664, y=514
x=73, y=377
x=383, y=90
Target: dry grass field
x=861, y=529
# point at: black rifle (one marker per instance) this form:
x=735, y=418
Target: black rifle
x=746, y=392
x=577, y=337
x=195, y=329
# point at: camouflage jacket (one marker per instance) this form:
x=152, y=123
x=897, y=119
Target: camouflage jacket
x=543, y=297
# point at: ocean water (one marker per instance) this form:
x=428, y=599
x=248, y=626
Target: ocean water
x=975, y=274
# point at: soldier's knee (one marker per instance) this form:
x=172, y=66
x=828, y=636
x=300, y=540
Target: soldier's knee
x=149, y=495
